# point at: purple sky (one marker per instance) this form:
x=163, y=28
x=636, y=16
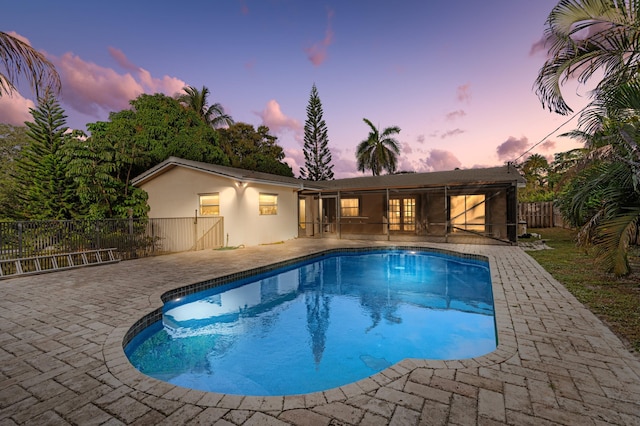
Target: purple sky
x=456, y=77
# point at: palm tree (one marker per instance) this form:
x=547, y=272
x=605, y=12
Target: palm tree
x=379, y=151
x=213, y=115
x=18, y=58
x=602, y=197
x=586, y=36
x=536, y=167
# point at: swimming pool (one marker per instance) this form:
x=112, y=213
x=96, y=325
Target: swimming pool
x=319, y=323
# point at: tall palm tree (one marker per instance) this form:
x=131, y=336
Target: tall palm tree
x=18, y=58
x=213, y=115
x=379, y=151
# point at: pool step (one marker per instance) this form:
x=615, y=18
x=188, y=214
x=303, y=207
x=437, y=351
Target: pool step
x=55, y=262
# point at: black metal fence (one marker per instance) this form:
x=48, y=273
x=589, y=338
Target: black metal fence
x=132, y=238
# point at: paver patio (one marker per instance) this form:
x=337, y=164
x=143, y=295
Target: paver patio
x=62, y=362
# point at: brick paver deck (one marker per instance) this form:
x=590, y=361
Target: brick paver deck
x=62, y=362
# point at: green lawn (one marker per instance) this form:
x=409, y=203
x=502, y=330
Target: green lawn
x=615, y=300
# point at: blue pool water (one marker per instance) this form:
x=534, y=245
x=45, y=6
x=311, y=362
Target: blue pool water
x=321, y=323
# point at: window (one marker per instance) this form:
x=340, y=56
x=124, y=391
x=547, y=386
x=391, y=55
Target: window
x=210, y=204
x=302, y=213
x=268, y=204
x=402, y=214
x=349, y=207
x=468, y=212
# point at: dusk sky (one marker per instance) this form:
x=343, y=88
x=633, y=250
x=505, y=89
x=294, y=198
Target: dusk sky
x=456, y=76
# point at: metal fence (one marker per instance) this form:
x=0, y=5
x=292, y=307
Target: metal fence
x=133, y=238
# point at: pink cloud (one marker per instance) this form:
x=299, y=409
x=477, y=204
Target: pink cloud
x=244, y=9
x=273, y=117
x=453, y=115
x=439, y=160
x=405, y=148
x=19, y=37
x=250, y=64
x=420, y=139
x=548, y=145
x=463, y=93
x=317, y=53
x=92, y=89
x=453, y=132
x=294, y=158
x=122, y=60
x=14, y=109
x=538, y=46
x=511, y=148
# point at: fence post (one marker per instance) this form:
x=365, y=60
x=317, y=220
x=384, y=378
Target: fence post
x=19, y=239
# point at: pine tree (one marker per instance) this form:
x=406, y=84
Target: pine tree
x=43, y=188
x=317, y=156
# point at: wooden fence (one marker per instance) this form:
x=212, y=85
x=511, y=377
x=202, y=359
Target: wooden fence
x=540, y=215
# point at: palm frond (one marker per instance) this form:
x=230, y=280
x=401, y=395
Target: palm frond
x=614, y=237
x=18, y=58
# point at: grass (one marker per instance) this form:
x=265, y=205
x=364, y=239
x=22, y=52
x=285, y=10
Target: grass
x=614, y=300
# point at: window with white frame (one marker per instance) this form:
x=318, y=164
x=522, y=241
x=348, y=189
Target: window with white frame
x=210, y=204
x=268, y=204
x=349, y=207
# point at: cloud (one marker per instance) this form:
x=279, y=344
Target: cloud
x=294, y=158
x=548, y=145
x=453, y=132
x=244, y=9
x=420, y=139
x=122, y=60
x=512, y=148
x=273, y=117
x=538, y=47
x=317, y=53
x=93, y=89
x=439, y=160
x=453, y=115
x=14, y=109
x=463, y=93
x=405, y=148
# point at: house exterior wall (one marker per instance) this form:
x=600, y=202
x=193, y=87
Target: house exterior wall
x=175, y=193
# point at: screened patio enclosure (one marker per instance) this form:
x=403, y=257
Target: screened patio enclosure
x=414, y=209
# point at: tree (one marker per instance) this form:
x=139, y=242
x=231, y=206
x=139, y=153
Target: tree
x=317, y=156
x=213, y=115
x=41, y=182
x=254, y=150
x=536, y=171
x=602, y=195
x=93, y=166
x=155, y=128
x=13, y=139
x=585, y=36
x=379, y=151
x=20, y=59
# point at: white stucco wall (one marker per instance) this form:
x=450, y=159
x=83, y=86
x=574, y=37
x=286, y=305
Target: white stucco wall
x=175, y=193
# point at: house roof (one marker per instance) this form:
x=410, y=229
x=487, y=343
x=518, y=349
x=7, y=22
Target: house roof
x=225, y=171
x=486, y=176
x=458, y=177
